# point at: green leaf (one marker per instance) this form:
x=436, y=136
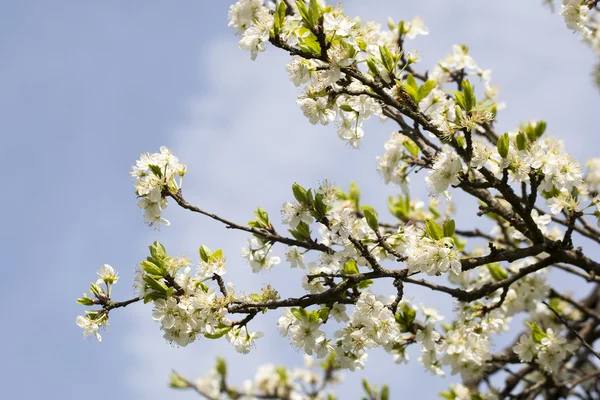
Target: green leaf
x=152, y=268
x=302, y=232
x=536, y=332
x=361, y=44
x=364, y=284
x=176, y=381
x=470, y=99
x=448, y=228
x=367, y=387
x=347, y=108
x=221, y=366
x=205, y=253
x=425, y=89
x=371, y=217
x=217, y=255
x=354, y=194
x=155, y=285
x=279, y=17
x=433, y=229
x=447, y=395
x=521, y=141
x=497, y=272
x=153, y=296
x=408, y=315
x=405, y=317
x=412, y=147
x=372, y=67
x=299, y=313
x=385, y=392
x=387, y=59
x=391, y=24
x=299, y=193
x=350, y=268
x=503, y=144
x=410, y=80
x=540, y=128
x=320, y=208
x=323, y=314
x=86, y=301
x=158, y=251
x=304, y=12
x=314, y=12
x=310, y=44
x=219, y=332
x=155, y=169
x=262, y=217
x=398, y=207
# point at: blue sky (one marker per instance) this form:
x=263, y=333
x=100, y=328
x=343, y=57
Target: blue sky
x=87, y=86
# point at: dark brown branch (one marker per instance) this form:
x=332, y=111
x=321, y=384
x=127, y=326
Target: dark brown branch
x=310, y=245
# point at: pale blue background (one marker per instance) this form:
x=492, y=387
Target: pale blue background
x=86, y=86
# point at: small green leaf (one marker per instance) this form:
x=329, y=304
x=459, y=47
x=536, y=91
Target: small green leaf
x=410, y=80
x=304, y=12
x=364, y=284
x=385, y=392
x=299, y=313
x=279, y=17
x=299, y=193
x=86, y=301
x=219, y=332
x=536, y=332
x=433, y=229
x=412, y=147
x=469, y=93
x=262, y=217
x=323, y=314
x=503, y=144
x=347, y=108
x=152, y=268
x=371, y=217
x=221, y=366
x=540, y=128
x=302, y=232
x=387, y=59
x=448, y=228
x=367, y=387
x=425, y=89
x=314, y=12
x=310, y=44
x=361, y=44
x=497, y=272
x=217, y=255
x=155, y=284
x=459, y=99
x=350, y=268
x=372, y=67
x=176, y=381
x=155, y=170
x=158, y=251
x=354, y=194
x=153, y=296
x=521, y=141
x=205, y=253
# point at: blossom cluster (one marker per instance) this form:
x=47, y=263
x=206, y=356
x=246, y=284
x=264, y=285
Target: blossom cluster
x=343, y=44
x=580, y=17
x=547, y=348
x=93, y=321
x=270, y=381
x=154, y=174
